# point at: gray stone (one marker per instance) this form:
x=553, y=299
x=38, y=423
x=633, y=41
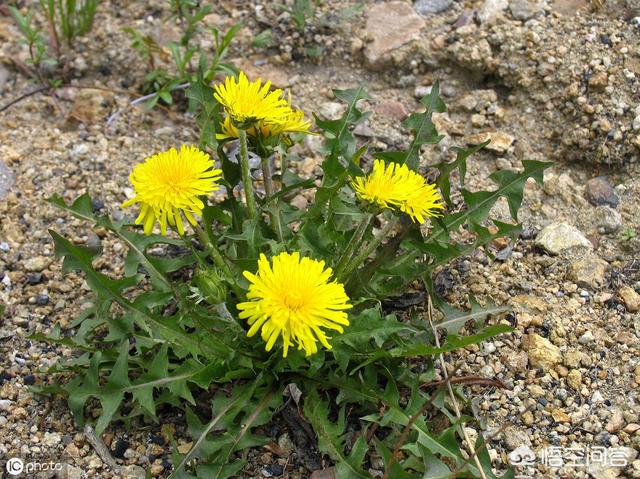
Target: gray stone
x=425, y=7
x=525, y=9
x=559, y=237
x=586, y=338
x=331, y=110
x=389, y=26
x=599, y=191
x=422, y=90
x=79, y=151
x=491, y=8
x=608, y=220
x=4, y=75
x=7, y=179
x=515, y=438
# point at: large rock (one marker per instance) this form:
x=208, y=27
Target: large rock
x=542, y=353
x=559, y=237
x=389, y=26
x=590, y=272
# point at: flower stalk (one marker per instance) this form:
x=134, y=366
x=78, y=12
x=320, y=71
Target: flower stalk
x=353, y=245
x=269, y=190
x=246, y=175
x=360, y=258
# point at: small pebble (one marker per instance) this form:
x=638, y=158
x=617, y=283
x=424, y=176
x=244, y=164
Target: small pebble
x=42, y=299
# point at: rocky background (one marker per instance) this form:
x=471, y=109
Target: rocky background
x=551, y=80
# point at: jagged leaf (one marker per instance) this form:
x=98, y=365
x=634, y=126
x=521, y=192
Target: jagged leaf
x=452, y=343
x=455, y=319
x=331, y=435
x=422, y=127
x=81, y=208
x=112, y=393
x=460, y=163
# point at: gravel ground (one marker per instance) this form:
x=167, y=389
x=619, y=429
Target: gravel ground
x=544, y=80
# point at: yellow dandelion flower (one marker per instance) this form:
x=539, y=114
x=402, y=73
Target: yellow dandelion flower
x=294, y=298
x=293, y=123
x=247, y=102
x=169, y=184
x=396, y=186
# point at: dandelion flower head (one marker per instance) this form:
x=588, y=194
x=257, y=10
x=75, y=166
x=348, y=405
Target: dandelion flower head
x=169, y=185
x=294, y=298
x=248, y=102
x=395, y=186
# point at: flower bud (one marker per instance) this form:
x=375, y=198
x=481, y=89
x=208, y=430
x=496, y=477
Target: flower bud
x=211, y=285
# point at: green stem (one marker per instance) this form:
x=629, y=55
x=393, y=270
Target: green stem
x=266, y=176
x=367, y=250
x=354, y=242
x=268, y=189
x=246, y=175
x=284, y=164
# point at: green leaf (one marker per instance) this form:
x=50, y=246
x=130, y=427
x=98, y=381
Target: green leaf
x=263, y=39
x=454, y=319
x=251, y=235
x=443, y=181
x=157, y=375
x=224, y=410
x=242, y=438
x=200, y=96
x=341, y=145
x=81, y=208
x=81, y=388
x=421, y=124
x=480, y=203
x=368, y=332
x=79, y=259
x=112, y=394
x=452, y=343
x=485, y=460
x=395, y=471
x=331, y=435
